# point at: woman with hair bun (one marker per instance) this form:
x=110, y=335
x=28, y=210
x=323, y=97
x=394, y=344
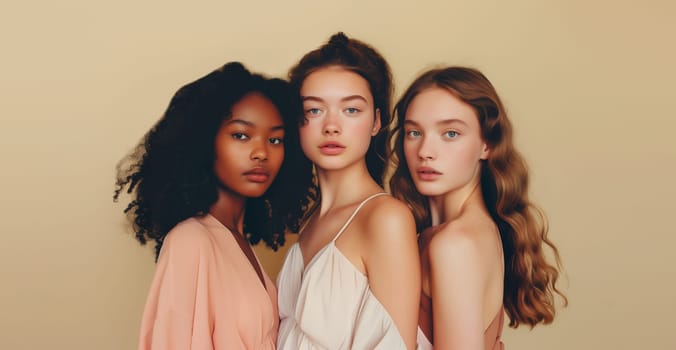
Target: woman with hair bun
x=481, y=241
x=216, y=174
x=353, y=279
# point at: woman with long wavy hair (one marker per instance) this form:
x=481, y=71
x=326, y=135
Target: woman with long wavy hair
x=216, y=174
x=481, y=239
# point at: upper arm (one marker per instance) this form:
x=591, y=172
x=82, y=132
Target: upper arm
x=180, y=259
x=171, y=311
x=457, y=289
x=393, y=265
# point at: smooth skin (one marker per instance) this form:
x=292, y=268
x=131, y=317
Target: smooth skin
x=381, y=240
x=461, y=254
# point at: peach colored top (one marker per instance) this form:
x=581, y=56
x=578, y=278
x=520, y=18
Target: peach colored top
x=426, y=330
x=329, y=305
x=206, y=295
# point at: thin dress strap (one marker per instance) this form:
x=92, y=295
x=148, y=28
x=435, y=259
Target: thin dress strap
x=354, y=213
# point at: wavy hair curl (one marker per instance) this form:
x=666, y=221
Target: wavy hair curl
x=530, y=280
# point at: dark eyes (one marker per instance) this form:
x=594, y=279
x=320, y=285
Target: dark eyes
x=240, y=136
x=244, y=137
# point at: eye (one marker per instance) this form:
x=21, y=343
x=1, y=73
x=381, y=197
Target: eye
x=240, y=136
x=312, y=111
x=413, y=133
x=352, y=110
x=451, y=134
x=276, y=140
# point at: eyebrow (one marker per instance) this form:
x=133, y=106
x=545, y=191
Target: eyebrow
x=252, y=125
x=441, y=122
x=346, y=98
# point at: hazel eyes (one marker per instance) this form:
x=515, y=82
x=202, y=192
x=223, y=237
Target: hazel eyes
x=413, y=133
x=451, y=134
x=312, y=111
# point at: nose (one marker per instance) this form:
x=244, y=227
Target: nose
x=331, y=126
x=259, y=152
x=426, y=150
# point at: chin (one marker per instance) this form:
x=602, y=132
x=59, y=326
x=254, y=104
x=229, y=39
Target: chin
x=429, y=191
x=331, y=164
x=255, y=192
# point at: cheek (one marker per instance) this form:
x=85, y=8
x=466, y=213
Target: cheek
x=229, y=150
x=221, y=151
x=411, y=156
x=464, y=158
x=306, y=133
x=226, y=156
x=276, y=158
x=409, y=151
x=364, y=126
x=360, y=134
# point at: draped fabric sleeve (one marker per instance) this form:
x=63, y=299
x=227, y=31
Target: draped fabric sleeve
x=177, y=314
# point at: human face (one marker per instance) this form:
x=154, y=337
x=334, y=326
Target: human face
x=340, y=115
x=442, y=142
x=249, y=147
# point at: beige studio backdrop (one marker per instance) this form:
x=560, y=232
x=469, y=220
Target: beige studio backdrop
x=588, y=84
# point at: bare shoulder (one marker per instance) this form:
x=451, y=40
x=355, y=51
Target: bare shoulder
x=389, y=252
x=386, y=209
x=453, y=241
x=463, y=241
x=386, y=217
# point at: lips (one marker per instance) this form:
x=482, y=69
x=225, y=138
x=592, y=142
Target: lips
x=428, y=174
x=331, y=148
x=257, y=174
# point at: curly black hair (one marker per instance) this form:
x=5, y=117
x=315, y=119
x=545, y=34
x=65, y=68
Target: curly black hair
x=170, y=173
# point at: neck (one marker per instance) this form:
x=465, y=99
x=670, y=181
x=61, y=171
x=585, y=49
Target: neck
x=344, y=186
x=449, y=206
x=229, y=210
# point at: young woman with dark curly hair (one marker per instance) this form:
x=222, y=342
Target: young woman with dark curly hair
x=353, y=279
x=482, y=239
x=221, y=170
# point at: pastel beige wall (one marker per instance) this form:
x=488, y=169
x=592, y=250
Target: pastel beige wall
x=589, y=86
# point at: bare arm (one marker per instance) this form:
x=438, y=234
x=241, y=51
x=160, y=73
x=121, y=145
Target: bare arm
x=391, y=258
x=457, y=289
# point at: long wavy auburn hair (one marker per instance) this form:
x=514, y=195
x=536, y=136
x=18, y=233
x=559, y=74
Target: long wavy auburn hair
x=530, y=280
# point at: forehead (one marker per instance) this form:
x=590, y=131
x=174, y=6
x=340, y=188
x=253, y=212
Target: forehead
x=335, y=81
x=257, y=109
x=436, y=104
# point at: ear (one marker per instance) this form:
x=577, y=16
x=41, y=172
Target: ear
x=485, y=151
x=376, y=124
